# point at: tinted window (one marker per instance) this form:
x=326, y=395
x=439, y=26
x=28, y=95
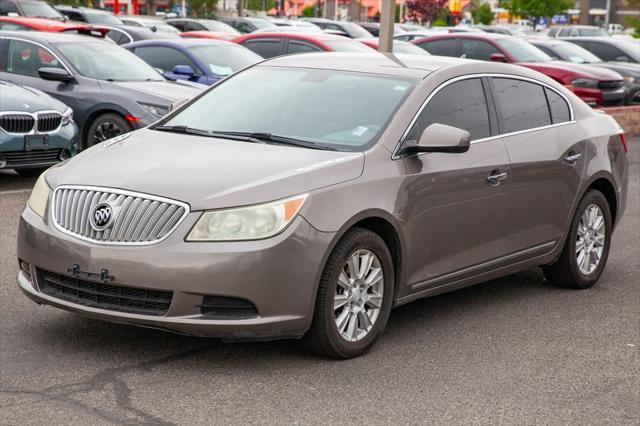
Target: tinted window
x=265, y=48
x=195, y=26
x=165, y=58
x=461, y=104
x=547, y=50
x=7, y=7
x=12, y=26
x=478, y=49
x=74, y=16
x=119, y=37
x=558, y=106
x=224, y=59
x=522, y=104
x=26, y=58
x=565, y=32
x=606, y=51
x=296, y=46
x=445, y=47
x=180, y=25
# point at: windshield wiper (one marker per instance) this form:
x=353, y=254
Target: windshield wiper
x=281, y=140
x=192, y=131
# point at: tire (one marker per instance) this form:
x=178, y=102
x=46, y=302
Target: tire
x=567, y=271
x=323, y=337
x=106, y=126
x=31, y=172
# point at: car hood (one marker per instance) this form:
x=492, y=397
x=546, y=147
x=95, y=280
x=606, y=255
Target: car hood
x=567, y=71
x=162, y=93
x=206, y=172
x=625, y=69
x=20, y=98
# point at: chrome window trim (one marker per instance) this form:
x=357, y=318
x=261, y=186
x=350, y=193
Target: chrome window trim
x=34, y=129
x=444, y=84
x=52, y=213
x=40, y=45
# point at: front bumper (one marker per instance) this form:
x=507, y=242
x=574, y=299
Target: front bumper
x=278, y=275
x=13, y=154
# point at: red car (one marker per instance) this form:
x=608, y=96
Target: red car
x=270, y=44
x=9, y=23
x=596, y=86
x=214, y=35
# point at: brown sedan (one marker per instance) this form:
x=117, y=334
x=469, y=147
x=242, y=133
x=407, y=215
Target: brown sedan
x=308, y=195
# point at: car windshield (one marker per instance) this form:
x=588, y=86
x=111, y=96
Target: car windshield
x=332, y=109
x=102, y=18
x=346, y=45
x=225, y=59
x=523, y=51
x=106, y=61
x=355, y=30
x=576, y=54
x=40, y=9
x=218, y=26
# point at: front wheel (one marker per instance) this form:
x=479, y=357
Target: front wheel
x=106, y=126
x=587, y=247
x=354, y=297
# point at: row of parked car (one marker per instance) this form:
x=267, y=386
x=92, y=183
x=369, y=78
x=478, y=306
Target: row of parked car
x=110, y=90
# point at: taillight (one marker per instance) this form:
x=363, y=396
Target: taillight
x=623, y=139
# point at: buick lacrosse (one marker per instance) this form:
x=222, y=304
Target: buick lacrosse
x=308, y=195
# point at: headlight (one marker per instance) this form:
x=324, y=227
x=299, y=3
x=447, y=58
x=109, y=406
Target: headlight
x=247, y=223
x=585, y=82
x=67, y=117
x=39, y=196
x=157, y=110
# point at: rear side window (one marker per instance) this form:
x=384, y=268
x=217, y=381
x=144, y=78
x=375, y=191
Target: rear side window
x=461, y=104
x=478, y=49
x=558, y=107
x=445, y=47
x=265, y=48
x=296, y=46
x=523, y=105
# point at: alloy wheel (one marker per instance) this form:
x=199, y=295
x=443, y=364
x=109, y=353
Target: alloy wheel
x=105, y=131
x=590, y=239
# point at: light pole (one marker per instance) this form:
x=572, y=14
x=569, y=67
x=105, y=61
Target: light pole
x=387, y=22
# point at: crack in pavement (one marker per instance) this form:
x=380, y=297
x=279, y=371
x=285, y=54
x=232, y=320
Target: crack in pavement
x=65, y=393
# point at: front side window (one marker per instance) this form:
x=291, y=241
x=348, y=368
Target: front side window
x=522, y=105
x=165, y=58
x=461, y=104
x=225, y=59
x=444, y=47
x=102, y=18
x=296, y=46
x=522, y=51
x=7, y=7
x=26, y=58
x=341, y=110
x=40, y=9
x=267, y=48
x=478, y=49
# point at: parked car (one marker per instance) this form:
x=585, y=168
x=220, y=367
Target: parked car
x=246, y=25
x=211, y=35
x=89, y=15
x=222, y=220
x=413, y=35
x=155, y=25
x=596, y=86
x=577, y=31
x=294, y=29
x=9, y=23
x=269, y=45
x=347, y=29
x=610, y=49
x=402, y=47
x=30, y=9
x=571, y=52
x=36, y=131
x=123, y=34
x=110, y=90
x=200, y=61
x=185, y=24
x=374, y=28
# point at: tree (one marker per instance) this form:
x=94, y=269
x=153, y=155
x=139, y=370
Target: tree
x=424, y=10
x=203, y=8
x=536, y=8
x=259, y=4
x=483, y=14
x=309, y=11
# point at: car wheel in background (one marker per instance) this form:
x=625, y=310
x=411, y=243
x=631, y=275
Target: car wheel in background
x=354, y=296
x=586, y=250
x=106, y=126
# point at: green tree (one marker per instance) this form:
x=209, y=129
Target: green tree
x=203, y=8
x=535, y=9
x=483, y=14
x=259, y=4
x=309, y=12
x=635, y=23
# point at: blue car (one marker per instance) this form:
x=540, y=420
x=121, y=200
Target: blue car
x=197, y=60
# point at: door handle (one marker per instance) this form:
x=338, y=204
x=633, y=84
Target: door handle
x=496, y=178
x=572, y=158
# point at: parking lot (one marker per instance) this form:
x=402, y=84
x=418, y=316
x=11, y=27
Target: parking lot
x=511, y=351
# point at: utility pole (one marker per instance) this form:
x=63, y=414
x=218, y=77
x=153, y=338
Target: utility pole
x=240, y=8
x=607, y=17
x=387, y=22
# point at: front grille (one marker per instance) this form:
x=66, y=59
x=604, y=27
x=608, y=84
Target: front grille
x=17, y=123
x=104, y=296
x=138, y=218
x=218, y=307
x=49, y=121
x=20, y=158
x=610, y=85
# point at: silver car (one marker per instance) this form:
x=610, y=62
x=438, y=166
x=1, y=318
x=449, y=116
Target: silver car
x=308, y=195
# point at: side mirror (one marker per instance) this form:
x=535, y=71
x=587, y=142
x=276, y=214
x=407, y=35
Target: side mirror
x=499, y=57
x=177, y=104
x=183, y=70
x=54, y=74
x=439, y=138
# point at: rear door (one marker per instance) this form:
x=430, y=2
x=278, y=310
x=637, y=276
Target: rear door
x=547, y=158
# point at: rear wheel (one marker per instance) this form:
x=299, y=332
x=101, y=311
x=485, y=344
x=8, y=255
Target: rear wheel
x=106, y=126
x=354, y=297
x=586, y=250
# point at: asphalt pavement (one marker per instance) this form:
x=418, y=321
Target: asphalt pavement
x=511, y=351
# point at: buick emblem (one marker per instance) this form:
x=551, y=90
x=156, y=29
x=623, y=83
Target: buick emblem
x=101, y=217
